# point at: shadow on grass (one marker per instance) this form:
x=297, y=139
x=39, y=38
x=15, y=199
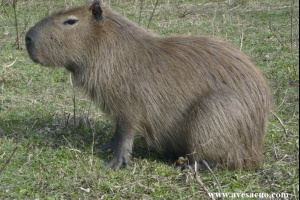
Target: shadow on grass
x=81, y=133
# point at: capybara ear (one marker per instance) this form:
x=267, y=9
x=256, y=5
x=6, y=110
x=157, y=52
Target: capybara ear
x=96, y=9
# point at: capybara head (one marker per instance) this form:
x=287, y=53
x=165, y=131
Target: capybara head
x=61, y=39
x=187, y=96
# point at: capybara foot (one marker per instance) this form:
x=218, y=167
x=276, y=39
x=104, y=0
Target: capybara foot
x=119, y=161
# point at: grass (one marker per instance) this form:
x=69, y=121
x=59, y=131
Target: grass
x=57, y=156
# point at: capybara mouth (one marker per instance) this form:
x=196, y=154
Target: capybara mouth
x=35, y=58
x=32, y=53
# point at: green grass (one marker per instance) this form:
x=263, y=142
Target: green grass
x=57, y=156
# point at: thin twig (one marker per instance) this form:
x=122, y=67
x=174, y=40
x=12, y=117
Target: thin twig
x=242, y=40
x=8, y=160
x=141, y=9
x=199, y=181
x=73, y=99
x=284, y=98
x=292, y=28
x=16, y=23
x=9, y=65
x=93, y=143
x=214, y=176
x=276, y=155
x=282, y=124
x=152, y=13
x=213, y=22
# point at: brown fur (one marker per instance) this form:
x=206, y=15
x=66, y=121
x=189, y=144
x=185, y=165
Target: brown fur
x=183, y=94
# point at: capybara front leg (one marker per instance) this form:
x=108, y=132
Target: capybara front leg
x=107, y=146
x=122, y=145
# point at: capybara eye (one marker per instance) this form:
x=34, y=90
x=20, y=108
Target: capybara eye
x=70, y=21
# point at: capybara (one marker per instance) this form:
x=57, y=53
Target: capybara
x=188, y=96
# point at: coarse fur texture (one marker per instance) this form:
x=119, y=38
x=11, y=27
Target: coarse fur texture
x=186, y=95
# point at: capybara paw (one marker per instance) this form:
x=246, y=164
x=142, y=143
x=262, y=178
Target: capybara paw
x=118, y=161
